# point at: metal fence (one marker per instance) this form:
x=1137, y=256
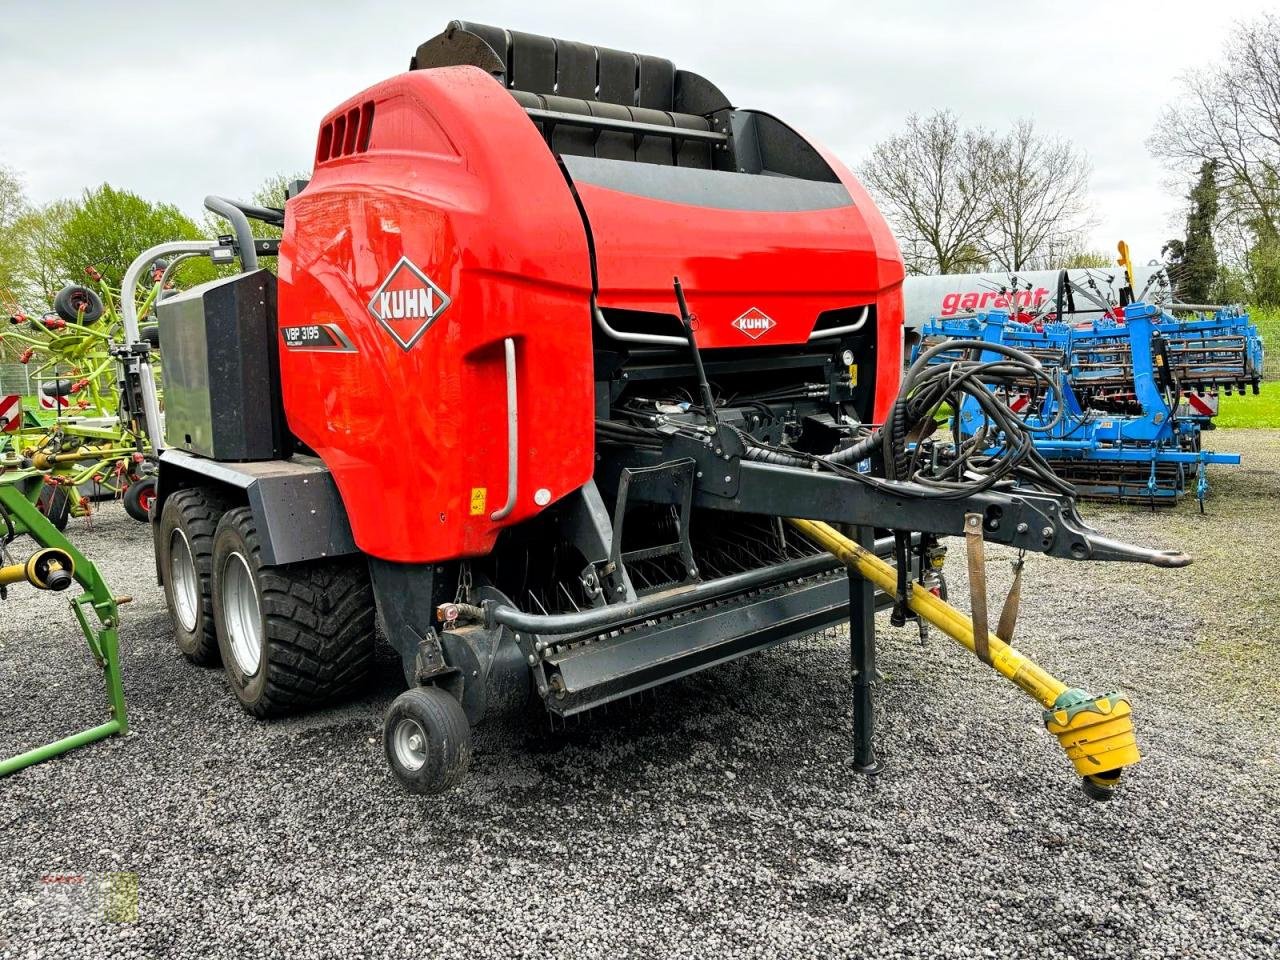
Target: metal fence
x=16, y=378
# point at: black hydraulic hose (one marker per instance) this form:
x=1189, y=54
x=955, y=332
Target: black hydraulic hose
x=890, y=440
x=618, y=614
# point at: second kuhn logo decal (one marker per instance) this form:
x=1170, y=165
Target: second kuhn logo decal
x=406, y=303
x=755, y=323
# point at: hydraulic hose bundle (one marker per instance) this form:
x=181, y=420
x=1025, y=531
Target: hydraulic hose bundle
x=926, y=388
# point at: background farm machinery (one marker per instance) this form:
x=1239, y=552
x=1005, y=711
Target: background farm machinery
x=84, y=440
x=55, y=565
x=1120, y=403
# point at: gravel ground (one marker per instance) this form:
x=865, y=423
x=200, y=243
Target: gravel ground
x=724, y=822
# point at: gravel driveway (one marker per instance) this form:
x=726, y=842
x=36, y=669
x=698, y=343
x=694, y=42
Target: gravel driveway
x=725, y=821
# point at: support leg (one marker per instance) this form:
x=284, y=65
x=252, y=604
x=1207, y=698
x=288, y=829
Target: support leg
x=862, y=649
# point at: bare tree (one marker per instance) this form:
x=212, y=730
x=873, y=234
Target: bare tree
x=965, y=199
x=1040, y=200
x=1229, y=116
x=933, y=182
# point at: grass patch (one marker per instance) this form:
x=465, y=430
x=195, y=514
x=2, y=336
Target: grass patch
x=1250, y=411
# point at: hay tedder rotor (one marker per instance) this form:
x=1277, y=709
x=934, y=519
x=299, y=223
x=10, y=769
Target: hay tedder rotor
x=661, y=423
x=87, y=441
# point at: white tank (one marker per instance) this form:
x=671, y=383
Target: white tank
x=957, y=294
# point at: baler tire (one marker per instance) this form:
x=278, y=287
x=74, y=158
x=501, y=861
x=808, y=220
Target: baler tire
x=193, y=513
x=314, y=623
x=440, y=758
x=72, y=298
x=138, y=497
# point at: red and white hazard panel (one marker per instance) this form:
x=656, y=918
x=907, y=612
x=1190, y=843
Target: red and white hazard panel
x=10, y=413
x=1202, y=406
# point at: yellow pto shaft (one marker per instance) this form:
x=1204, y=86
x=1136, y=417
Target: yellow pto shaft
x=1095, y=732
x=47, y=569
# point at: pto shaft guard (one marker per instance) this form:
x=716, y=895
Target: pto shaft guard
x=1096, y=732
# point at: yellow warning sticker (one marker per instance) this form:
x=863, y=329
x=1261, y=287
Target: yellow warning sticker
x=853, y=374
x=479, y=495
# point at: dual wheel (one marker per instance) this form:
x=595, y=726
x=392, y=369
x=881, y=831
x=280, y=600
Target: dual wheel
x=288, y=637
x=293, y=636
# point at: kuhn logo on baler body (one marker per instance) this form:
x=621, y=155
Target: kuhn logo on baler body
x=755, y=323
x=406, y=303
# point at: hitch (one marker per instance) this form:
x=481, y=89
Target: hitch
x=1095, y=732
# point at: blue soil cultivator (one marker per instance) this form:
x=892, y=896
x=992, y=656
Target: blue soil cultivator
x=1120, y=403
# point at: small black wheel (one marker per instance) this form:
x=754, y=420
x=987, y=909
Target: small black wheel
x=57, y=388
x=293, y=635
x=55, y=503
x=77, y=304
x=138, y=498
x=427, y=740
x=188, y=520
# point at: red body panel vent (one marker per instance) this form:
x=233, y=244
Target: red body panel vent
x=346, y=134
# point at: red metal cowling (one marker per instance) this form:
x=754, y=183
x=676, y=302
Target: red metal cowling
x=443, y=169
x=456, y=180
x=790, y=265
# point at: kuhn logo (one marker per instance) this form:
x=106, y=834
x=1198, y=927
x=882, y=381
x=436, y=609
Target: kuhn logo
x=406, y=303
x=755, y=323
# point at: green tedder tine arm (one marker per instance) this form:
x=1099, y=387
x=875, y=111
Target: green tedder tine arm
x=95, y=609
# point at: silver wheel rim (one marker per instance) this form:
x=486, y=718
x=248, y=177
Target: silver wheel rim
x=186, y=585
x=409, y=741
x=241, y=614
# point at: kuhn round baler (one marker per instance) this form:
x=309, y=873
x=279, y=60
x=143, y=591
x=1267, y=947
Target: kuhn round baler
x=568, y=369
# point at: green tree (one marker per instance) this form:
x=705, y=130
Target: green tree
x=1228, y=113
x=110, y=227
x=37, y=235
x=1086, y=260
x=13, y=197
x=1193, y=261
x=1263, y=271
x=13, y=204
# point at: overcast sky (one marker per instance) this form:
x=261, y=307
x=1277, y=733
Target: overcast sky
x=184, y=99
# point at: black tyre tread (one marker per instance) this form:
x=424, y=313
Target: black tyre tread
x=55, y=503
x=133, y=497
x=64, y=305
x=201, y=509
x=446, y=725
x=319, y=619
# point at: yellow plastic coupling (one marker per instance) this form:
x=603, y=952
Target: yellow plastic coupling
x=47, y=569
x=1097, y=735
x=1097, y=732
